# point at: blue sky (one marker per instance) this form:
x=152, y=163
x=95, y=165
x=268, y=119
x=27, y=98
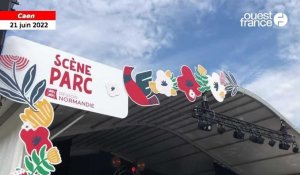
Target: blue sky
x=165, y=34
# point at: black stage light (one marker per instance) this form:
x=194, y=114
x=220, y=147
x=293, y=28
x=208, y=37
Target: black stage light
x=295, y=148
x=238, y=134
x=208, y=127
x=260, y=140
x=196, y=112
x=284, y=146
x=257, y=139
x=272, y=142
x=201, y=124
x=204, y=125
x=221, y=129
x=283, y=127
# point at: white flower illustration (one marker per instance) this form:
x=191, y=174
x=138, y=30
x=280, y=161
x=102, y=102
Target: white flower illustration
x=164, y=84
x=216, y=87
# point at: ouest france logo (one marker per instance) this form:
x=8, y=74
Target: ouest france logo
x=264, y=20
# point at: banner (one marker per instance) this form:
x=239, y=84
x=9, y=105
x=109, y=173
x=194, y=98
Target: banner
x=70, y=80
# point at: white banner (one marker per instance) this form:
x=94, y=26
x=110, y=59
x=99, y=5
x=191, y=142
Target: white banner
x=70, y=80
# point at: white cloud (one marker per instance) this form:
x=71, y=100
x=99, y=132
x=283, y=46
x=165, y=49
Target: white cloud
x=280, y=86
x=289, y=37
x=116, y=32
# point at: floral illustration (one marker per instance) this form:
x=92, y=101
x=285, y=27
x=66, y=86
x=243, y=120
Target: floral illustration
x=112, y=89
x=19, y=171
x=19, y=93
x=34, y=139
x=230, y=83
x=42, y=117
x=188, y=84
x=217, y=87
x=165, y=83
x=53, y=156
x=37, y=118
x=202, y=78
x=37, y=162
x=9, y=60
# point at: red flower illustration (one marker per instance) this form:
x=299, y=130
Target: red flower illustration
x=9, y=60
x=19, y=171
x=188, y=84
x=35, y=139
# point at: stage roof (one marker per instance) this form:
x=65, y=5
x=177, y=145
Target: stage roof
x=167, y=139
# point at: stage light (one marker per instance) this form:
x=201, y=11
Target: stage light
x=295, y=148
x=257, y=139
x=208, y=127
x=201, y=124
x=133, y=169
x=272, y=142
x=204, y=125
x=116, y=162
x=283, y=127
x=221, y=129
x=238, y=134
x=141, y=166
x=260, y=140
x=284, y=146
x=196, y=112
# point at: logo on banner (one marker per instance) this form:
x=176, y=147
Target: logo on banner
x=51, y=93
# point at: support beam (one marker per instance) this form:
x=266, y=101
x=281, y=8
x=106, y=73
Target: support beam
x=58, y=132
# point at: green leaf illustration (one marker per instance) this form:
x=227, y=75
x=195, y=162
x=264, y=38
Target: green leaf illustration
x=175, y=83
x=202, y=80
x=42, y=171
x=176, y=88
x=43, y=152
x=35, y=157
x=204, y=89
x=28, y=164
x=38, y=163
x=48, y=166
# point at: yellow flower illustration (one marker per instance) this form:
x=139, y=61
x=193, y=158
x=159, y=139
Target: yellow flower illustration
x=53, y=156
x=43, y=117
x=202, y=70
